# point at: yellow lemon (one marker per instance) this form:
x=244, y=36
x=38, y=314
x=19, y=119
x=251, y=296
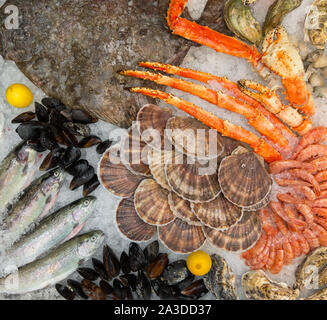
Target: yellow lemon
x=19, y=96
x=199, y=263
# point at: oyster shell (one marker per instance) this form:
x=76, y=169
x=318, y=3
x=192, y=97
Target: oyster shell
x=319, y=295
x=115, y=177
x=243, y=179
x=130, y=224
x=181, y=237
x=190, y=136
x=258, y=286
x=152, y=122
x=239, y=19
x=193, y=180
x=151, y=203
x=182, y=209
x=218, y=213
x=134, y=153
x=239, y=237
x=220, y=280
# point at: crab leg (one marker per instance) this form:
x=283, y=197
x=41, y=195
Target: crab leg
x=260, y=146
x=255, y=118
x=226, y=85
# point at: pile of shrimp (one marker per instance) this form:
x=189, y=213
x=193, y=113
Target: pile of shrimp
x=296, y=223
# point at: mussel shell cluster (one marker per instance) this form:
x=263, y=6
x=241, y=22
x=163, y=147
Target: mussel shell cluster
x=183, y=196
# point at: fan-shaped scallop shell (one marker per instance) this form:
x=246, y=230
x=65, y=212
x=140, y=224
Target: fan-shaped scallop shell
x=182, y=209
x=243, y=179
x=192, y=180
x=152, y=123
x=157, y=160
x=181, y=237
x=151, y=203
x=115, y=177
x=229, y=146
x=239, y=237
x=192, y=137
x=130, y=224
x=135, y=152
x=218, y=213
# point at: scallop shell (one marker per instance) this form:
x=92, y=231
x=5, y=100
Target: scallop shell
x=187, y=178
x=181, y=237
x=239, y=237
x=157, y=160
x=243, y=179
x=115, y=177
x=229, y=146
x=151, y=203
x=150, y=118
x=135, y=153
x=182, y=209
x=130, y=224
x=218, y=213
x=192, y=137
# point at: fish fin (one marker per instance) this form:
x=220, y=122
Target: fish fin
x=75, y=231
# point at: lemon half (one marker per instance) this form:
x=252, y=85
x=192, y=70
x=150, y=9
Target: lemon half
x=199, y=263
x=19, y=96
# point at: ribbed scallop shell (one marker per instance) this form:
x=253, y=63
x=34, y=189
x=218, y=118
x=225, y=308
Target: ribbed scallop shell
x=115, y=177
x=243, y=179
x=157, y=159
x=218, y=213
x=151, y=203
x=192, y=137
x=181, y=237
x=239, y=237
x=189, y=181
x=151, y=117
x=182, y=209
x=229, y=146
x=135, y=153
x=130, y=224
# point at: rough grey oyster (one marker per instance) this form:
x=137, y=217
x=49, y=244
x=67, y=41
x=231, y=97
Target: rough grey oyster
x=73, y=50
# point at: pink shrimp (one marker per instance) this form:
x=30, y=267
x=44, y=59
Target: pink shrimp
x=257, y=249
x=322, y=212
x=279, y=258
x=323, y=194
x=320, y=163
x=272, y=254
x=254, y=262
x=297, y=250
x=321, y=176
x=306, y=191
x=323, y=185
x=283, y=165
x=320, y=203
x=306, y=211
x=321, y=221
x=320, y=233
x=291, y=183
x=306, y=176
x=313, y=241
x=288, y=251
x=312, y=151
x=288, y=198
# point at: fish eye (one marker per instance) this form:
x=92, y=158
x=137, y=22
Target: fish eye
x=93, y=238
x=56, y=173
x=86, y=202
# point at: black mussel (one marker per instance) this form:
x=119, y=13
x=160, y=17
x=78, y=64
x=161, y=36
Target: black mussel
x=91, y=185
x=124, y=263
x=78, y=167
x=156, y=285
x=77, y=288
x=65, y=292
x=30, y=130
x=127, y=293
x=36, y=145
x=163, y=291
x=103, y=146
x=93, y=291
x=110, y=261
x=68, y=136
x=137, y=259
x=151, y=251
x=157, y=266
x=179, y=287
x=24, y=117
x=42, y=113
x=81, y=116
x=48, y=140
x=71, y=155
x=88, y=273
x=118, y=290
x=143, y=286
x=78, y=129
x=129, y=280
x=100, y=269
x=67, y=113
x=56, y=118
x=106, y=287
x=51, y=103
x=89, y=141
x=196, y=290
x=78, y=181
x=52, y=160
x=175, y=272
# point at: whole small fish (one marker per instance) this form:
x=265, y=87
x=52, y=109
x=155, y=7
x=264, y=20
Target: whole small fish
x=54, y=267
x=59, y=226
x=16, y=172
x=33, y=203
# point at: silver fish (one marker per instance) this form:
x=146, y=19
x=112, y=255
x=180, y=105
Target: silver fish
x=59, y=226
x=16, y=172
x=33, y=203
x=54, y=267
